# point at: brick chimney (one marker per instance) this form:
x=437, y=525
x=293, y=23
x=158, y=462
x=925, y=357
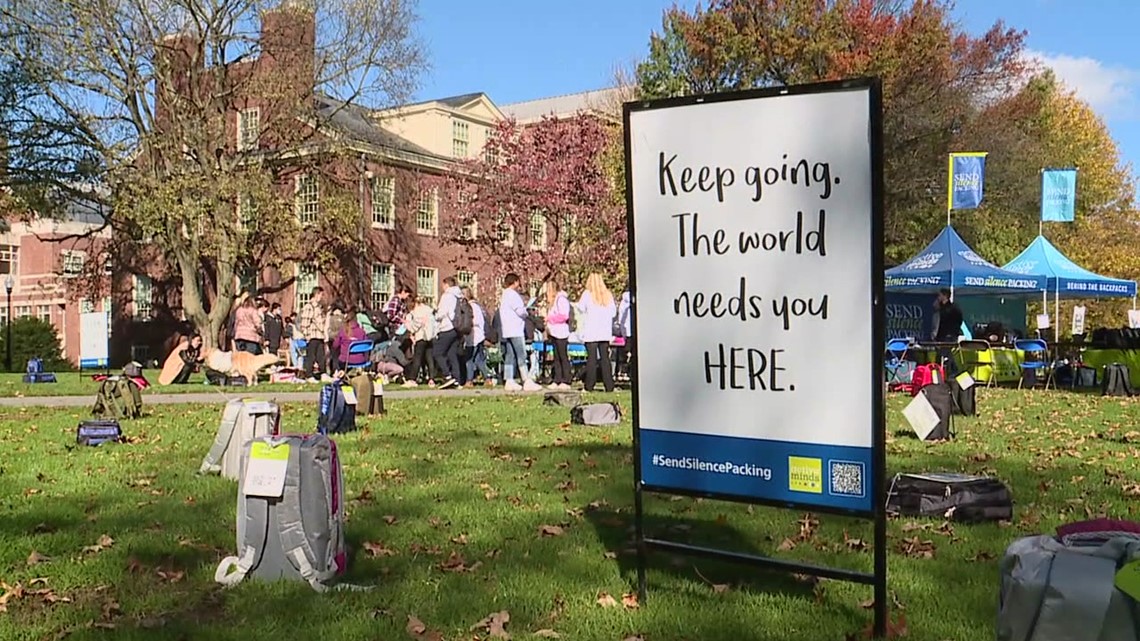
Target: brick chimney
x=288, y=42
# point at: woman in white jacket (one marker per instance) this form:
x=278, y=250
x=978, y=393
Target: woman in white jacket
x=598, y=309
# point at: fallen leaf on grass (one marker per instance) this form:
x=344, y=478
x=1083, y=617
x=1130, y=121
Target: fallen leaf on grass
x=495, y=625
x=629, y=601
x=390, y=520
x=606, y=601
x=915, y=547
x=981, y=556
x=419, y=631
x=635, y=637
x=171, y=575
x=35, y=558
x=785, y=545
x=459, y=540
x=547, y=633
x=550, y=530
x=377, y=549
x=456, y=563
x=103, y=543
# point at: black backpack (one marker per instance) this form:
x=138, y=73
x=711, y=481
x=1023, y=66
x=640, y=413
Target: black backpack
x=954, y=497
x=334, y=414
x=941, y=398
x=494, y=328
x=1117, y=381
x=464, y=320
x=965, y=399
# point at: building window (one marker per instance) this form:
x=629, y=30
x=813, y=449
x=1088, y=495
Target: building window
x=140, y=353
x=427, y=214
x=427, y=284
x=537, y=231
x=307, y=198
x=246, y=211
x=383, y=202
x=468, y=279
x=143, y=297
x=490, y=154
x=9, y=260
x=469, y=232
x=248, y=128
x=246, y=279
x=86, y=306
x=23, y=311
x=73, y=262
x=43, y=312
x=383, y=284
x=460, y=135
x=505, y=234
x=307, y=278
x=3, y=315
x=566, y=229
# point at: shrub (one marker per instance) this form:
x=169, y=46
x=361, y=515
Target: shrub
x=32, y=337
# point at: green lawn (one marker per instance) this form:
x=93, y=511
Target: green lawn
x=461, y=508
x=75, y=384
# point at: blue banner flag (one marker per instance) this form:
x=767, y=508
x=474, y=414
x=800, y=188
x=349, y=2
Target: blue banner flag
x=967, y=179
x=1058, y=195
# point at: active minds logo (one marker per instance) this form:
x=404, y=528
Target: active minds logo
x=925, y=261
x=971, y=257
x=1024, y=267
x=967, y=182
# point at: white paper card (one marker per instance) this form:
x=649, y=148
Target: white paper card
x=265, y=471
x=1042, y=321
x=921, y=415
x=1134, y=318
x=1079, y=319
x=965, y=381
x=349, y=394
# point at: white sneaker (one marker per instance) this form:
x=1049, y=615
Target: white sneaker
x=564, y=386
x=531, y=386
x=554, y=386
x=512, y=386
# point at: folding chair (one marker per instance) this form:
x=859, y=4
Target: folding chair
x=359, y=348
x=975, y=355
x=896, y=359
x=1036, y=358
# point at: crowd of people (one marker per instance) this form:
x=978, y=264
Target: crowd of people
x=519, y=342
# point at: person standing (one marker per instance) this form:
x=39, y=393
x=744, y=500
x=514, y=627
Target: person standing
x=247, y=328
x=476, y=348
x=598, y=309
x=314, y=328
x=558, y=329
x=273, y=329
x=446, y=349
x=420, y=324
x=512, y=317
x=949, y=328
x=625, y=354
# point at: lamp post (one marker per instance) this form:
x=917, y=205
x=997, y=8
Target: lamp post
x=9, y=284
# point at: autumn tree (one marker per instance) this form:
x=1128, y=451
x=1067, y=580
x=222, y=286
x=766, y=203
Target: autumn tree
x=939, y=83
x=154, y=89
x=540, y=200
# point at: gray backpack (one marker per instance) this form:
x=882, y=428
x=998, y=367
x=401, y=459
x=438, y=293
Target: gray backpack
x=290, y=513
x=596, y=414
x=242, y=421
x=1051, y=591
x=562, y=398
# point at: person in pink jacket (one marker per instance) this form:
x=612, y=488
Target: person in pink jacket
x=349, y=334
x=558, y=328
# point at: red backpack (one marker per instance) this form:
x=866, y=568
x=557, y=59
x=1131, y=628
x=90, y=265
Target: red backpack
x=930, y=374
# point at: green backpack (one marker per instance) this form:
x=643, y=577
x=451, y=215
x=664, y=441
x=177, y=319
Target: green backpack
x=118, y=398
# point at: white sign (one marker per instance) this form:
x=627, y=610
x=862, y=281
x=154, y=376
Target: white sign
x=266, y=469
x=1134, y=318
x=94, y=338
x=753, y=240
x=1042, y=321
x=1078, y=319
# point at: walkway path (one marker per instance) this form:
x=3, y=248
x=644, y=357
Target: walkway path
x=220, y=397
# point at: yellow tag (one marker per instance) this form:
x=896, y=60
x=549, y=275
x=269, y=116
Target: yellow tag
x=266, y=452
x=1128, y=579
x=805, y=474
x=349, y=394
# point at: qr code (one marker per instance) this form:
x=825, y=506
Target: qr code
x=847, y=478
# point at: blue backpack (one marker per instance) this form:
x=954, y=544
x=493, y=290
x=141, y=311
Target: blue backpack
x=334, y=414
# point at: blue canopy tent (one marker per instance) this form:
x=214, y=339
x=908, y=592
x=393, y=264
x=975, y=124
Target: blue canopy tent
x=1066, y=279
x=948, y=262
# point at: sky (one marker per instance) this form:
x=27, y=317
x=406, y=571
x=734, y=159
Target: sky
x=516, y=50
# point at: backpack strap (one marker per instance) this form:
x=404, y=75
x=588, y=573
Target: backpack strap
x=211, y=464
x=252, y=545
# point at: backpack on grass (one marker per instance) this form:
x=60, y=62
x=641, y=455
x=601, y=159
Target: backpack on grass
x=1117, y=381
x=118, y=398
x=954, y=497
x=464, y=320
x=242, y=421
x=562, y=398
x=596, y=414
x=290, y=513
x=98, y=432
x=335, y=415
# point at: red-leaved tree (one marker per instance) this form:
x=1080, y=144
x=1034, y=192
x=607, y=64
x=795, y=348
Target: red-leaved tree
x=541, y=201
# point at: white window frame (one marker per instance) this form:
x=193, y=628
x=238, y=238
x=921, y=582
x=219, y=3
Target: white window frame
x=383, y=286
x=505, y=239
x=142, y=297
x=460, y=138
x=3, y=314
x=23, y=311
x=422, y=274
x=467, y=278
x=248, y=128
x=306, y=276
x=427, y=213
x=307, y=198
x=469, y=232
x=86, y=305
x=537, y=223
x=383, y=192
x=72, y=263
x=43, y=312
x=10, y=258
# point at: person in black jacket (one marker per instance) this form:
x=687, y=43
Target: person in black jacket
x=274, y=329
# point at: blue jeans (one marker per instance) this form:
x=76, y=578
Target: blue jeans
x=514, y=358
x=296, y=354
x=478, y=361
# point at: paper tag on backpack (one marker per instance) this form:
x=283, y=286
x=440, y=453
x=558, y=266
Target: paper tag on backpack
x=266, y=469
x=349, y=394
x=965, y=381
x=1128, y=579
